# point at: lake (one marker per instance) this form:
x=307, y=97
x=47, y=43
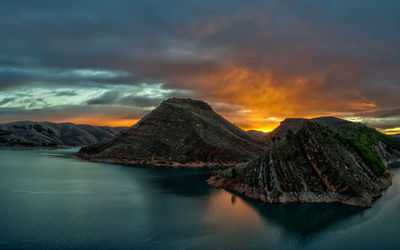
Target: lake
x=50, y=199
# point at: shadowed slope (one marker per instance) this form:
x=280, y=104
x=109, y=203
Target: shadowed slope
x=180, y=130
x=47, y=134
x=324, y=160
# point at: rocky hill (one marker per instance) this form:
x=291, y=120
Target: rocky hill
x=182, y=132
x=28, y=134
x=256, y=133
x=320, y=160
x=295, y=124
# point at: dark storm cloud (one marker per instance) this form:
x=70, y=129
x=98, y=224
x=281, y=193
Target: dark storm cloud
x=107, y=98
x=11, y=78
x=65, y=93
x=116, y=98
x=382, y=113
x=289, y=38
x=285, y=58
x=7, y=61
x=140, y=101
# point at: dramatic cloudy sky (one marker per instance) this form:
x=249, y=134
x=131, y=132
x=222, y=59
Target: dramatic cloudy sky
x=255, y=62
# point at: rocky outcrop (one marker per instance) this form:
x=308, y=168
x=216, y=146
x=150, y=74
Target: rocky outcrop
x=320, y=160
x=292, y=124
x=182, y=132
x=256, y=133
x=27, y=134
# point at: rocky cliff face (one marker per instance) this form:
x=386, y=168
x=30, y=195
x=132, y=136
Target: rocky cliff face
x=46, y=134
x=183, y=132
x=318, y=160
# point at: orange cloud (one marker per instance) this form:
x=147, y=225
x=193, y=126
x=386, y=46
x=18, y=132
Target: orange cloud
x=256, y=96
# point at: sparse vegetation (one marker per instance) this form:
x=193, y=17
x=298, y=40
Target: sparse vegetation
x=361, y=144
x=316, y=161
x=90, y=149
x=392, y=142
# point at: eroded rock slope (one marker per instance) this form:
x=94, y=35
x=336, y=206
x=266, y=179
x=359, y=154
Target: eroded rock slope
x=320, y=160
x=180, y=132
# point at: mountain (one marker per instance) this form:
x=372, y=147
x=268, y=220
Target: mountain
x=256, y=133
x=182, y=132
x=326, y=159
x=47, y=134
x=295, y=124
x=396, y=135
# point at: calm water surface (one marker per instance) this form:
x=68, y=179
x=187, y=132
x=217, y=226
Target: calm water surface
x=50, y=199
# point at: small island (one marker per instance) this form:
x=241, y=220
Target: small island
x=180, y=132
x=322, y=160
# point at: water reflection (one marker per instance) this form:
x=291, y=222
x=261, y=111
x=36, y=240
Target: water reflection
x=183, y=182
x=54, y=198
x=235, y=212
x=231, y=213
x=302, y=221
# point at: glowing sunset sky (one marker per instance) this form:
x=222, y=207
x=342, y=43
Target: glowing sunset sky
x=255, y=62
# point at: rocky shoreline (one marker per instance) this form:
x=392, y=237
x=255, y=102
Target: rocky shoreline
x=160, y=163
x=317, y=163
x=235, y=185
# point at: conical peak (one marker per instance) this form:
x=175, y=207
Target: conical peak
x=187, y=101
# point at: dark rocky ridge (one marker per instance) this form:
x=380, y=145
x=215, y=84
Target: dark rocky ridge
x=295, y=124
x=28, y=134
x=179, y=132
x=256, y=133
x=320, y=160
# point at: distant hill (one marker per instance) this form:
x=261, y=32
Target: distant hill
x=396, y=135
x=183, y=132
x=326, y=160
x=292, y=124
x=295, y=124
x=256, y=133
x=47, y=134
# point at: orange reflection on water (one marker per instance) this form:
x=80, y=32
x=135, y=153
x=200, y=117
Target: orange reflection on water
x=229, y=212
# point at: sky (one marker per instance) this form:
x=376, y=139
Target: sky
x=255, y=62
